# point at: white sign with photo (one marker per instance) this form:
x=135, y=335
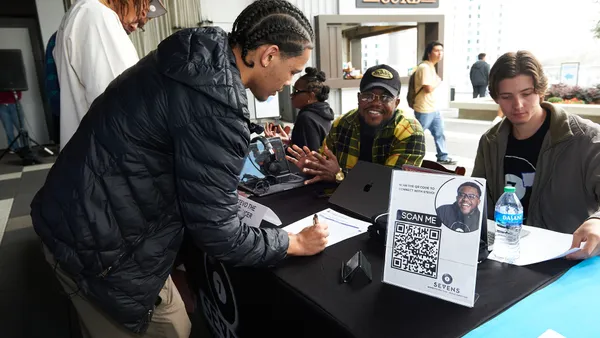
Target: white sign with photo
x=433, y=234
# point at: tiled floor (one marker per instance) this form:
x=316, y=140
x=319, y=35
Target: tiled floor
x=31, y=301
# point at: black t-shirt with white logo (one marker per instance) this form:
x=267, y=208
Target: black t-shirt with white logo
x=520, y=161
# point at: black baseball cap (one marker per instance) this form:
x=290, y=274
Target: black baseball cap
x=156, y=9
x=381, y=76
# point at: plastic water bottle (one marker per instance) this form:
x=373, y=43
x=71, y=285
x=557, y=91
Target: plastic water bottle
x=509, y=221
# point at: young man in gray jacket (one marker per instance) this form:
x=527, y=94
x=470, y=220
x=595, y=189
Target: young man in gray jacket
x=549, y=155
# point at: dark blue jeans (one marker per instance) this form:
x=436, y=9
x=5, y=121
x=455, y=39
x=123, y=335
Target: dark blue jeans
x=8, y=116
x=435, y=124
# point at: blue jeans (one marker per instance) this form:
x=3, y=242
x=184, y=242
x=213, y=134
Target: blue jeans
x=8, y=116
x=435, y=124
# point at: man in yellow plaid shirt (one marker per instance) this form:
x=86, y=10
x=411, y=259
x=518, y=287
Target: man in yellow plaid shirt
x=375, y=132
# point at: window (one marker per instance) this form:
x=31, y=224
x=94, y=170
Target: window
x=469, y=50
x=365, y=62
x=468, y=41
x=469, y=16
x=477, y=40
x=365, y=54
x=478, y=16
x=376, y=46
x=468, y=67
x=366, y=46
x=376, y=62
x=479, y=7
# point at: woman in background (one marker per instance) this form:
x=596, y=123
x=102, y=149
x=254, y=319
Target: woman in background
x=313, y=122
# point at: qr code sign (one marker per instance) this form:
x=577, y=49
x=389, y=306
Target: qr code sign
x=416, y=249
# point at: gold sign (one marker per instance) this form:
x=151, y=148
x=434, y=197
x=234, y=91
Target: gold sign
x=383, y=74
x=407, y=3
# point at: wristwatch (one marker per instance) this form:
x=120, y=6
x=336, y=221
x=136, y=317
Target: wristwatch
x=340, y=175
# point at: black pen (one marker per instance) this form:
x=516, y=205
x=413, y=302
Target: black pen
x=315, y=219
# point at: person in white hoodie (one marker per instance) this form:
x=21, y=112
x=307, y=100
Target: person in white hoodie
x=92, y=49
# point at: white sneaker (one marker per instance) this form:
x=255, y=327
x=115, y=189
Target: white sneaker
x=496, y=120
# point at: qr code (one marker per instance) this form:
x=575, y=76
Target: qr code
x=416, y=249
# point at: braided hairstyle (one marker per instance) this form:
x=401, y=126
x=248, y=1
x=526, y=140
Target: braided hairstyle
x=315, y=83
x=275, y=22
x=123, y=6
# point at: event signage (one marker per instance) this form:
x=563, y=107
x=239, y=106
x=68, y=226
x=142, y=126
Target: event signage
x=433, y=234
x=252, y=213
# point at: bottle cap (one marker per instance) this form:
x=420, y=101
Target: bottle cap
x=509, y=188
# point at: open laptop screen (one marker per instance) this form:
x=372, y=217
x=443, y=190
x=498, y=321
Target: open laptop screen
x=251, y=168
x=253, y=165
x=280, y=155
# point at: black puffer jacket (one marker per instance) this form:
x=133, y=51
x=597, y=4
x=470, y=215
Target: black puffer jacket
x=159, y=152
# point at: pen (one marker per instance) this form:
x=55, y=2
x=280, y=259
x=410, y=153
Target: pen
x=315, y=219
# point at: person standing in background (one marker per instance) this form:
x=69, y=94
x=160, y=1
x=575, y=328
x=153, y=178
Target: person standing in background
x=92, y=49
x=480, y=75
x=10, y=119
x=426, y=81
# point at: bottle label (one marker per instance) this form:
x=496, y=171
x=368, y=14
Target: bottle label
x=509, y=219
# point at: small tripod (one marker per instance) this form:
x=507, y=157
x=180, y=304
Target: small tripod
x=25, y=151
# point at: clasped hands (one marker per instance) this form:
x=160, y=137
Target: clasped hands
x=322, y=167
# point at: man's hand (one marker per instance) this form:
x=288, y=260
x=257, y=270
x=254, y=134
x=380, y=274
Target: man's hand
x=322, y=167
x=299, y=156
x=310, y=241
x=588, y=233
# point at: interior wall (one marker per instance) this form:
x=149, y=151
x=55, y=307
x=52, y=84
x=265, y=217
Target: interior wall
x=49, y=13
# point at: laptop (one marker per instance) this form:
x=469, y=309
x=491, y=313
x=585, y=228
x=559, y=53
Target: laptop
x=257, y=176
x=365, y=191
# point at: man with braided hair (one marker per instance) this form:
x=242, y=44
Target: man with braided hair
x=158, y=154
x=92, y=49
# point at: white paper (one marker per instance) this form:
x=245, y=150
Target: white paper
x=271, y=217
x=252, y=213
x=432, y=243
x=340, y=226
x=551, y=334
x=540, y=245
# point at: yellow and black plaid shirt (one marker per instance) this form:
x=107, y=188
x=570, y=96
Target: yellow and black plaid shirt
x=400, y=141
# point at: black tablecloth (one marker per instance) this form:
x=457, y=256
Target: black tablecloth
x=304, y=298
x=381, y=310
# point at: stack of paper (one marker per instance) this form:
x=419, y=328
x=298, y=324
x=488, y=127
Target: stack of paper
x=539, y=245
x=341, y=227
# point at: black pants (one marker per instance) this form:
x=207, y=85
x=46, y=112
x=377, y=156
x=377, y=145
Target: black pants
x=479, y=91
